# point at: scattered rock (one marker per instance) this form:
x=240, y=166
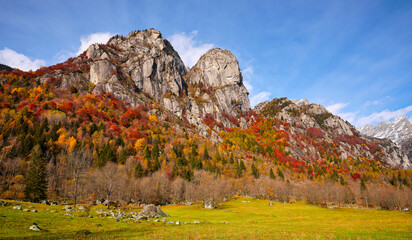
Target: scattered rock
x=53, y=211
x=67, y=207
x=35, y=228
x=157, y=220
x=98, y=225
x=196, y=222
x=17, y=207
x=3, y=204
x=178, y=223
x=26, y=210
x=90, y=216
x=270, y=203
x=83, y=232
x=81, y=207
x=45, y=202
x=141, y=217
x=34, y=210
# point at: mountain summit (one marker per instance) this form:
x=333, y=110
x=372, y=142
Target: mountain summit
x=398, y=130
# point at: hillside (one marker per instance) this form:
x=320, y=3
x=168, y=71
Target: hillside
x=137, y=127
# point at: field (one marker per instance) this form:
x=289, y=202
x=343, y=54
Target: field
x=239, y=218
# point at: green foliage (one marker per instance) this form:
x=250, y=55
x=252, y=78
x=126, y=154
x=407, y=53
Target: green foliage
x=36, y=180
x=138, y=170
x=271, y=174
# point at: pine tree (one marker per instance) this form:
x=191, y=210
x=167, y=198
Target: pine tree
x=255, y=171
x=138, y=170
x=280, y=174
x=36, y=182
x=271, y=174
x=205, y=153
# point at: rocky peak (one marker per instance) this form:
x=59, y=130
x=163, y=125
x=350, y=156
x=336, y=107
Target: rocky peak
x=216, y=88
x=397, y=130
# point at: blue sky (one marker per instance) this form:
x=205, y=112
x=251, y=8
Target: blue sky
x=353, y=57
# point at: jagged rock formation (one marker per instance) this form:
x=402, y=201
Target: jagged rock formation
x=399, y=131
x=143, y=68
x=216, y=87
x=315, y=121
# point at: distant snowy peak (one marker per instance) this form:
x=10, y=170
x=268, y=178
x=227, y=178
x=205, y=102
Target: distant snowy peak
x=398, y=130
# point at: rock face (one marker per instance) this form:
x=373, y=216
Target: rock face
x=143, y=68
x=398, y=131
x=313, y=120
x=216, y=87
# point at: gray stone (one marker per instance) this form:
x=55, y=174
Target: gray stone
x=152, y=211
x=53, y=211
x=45, y=202
x=26, y=210
x=35, y=228
x=17, y=207
x=196, y=222
x=177, y=222
x=3, y=204
x=67, y=207
x=34, y=210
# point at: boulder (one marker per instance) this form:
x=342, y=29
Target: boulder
x=45, y=202
x=17, y=207
x=67, y=207
x=26, y=210
x=152, y=211
x=35, y=228
x=34, y=210
x=3, y=204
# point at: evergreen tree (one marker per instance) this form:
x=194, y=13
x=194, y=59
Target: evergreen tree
x=138, y=170
x=255, y=171
x=280, y=174
x=146, y=152
x=271, y=174
x=205, y=153
x=36, y=181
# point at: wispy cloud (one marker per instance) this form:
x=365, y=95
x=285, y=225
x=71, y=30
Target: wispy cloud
x=255, y=98
x=20, y=61
x=188, y=48
x=337, y=110
x=86, y=41
x=260, y=97
x=384, y=115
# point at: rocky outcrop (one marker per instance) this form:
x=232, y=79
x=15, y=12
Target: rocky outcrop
x=216, y=87
x=143, y=68
x=315, y=121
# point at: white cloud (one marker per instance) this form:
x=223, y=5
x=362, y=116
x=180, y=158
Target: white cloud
x=20, y=61
x=255, y=98
x=189, y=49
x=384, y=115
x=335, y=108
x=86, y=41
x=258, y=98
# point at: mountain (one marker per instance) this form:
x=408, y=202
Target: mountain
x=143, y=68
x=130, y=111
x=330, y=135
x=398, y=130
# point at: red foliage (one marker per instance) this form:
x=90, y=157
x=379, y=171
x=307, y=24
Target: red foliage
x=356, y=176
x=209, y=120
x=315, y=132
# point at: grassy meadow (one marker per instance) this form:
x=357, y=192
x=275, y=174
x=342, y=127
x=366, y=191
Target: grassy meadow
x=239, y=218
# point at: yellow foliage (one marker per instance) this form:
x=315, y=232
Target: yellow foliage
x=153, y=118
x=71, y=142
x=139, y=144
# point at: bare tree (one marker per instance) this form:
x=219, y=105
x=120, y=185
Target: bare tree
x=107, y=180
x=77, y=164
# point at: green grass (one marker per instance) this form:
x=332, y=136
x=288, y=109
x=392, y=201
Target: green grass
x=232, y=220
